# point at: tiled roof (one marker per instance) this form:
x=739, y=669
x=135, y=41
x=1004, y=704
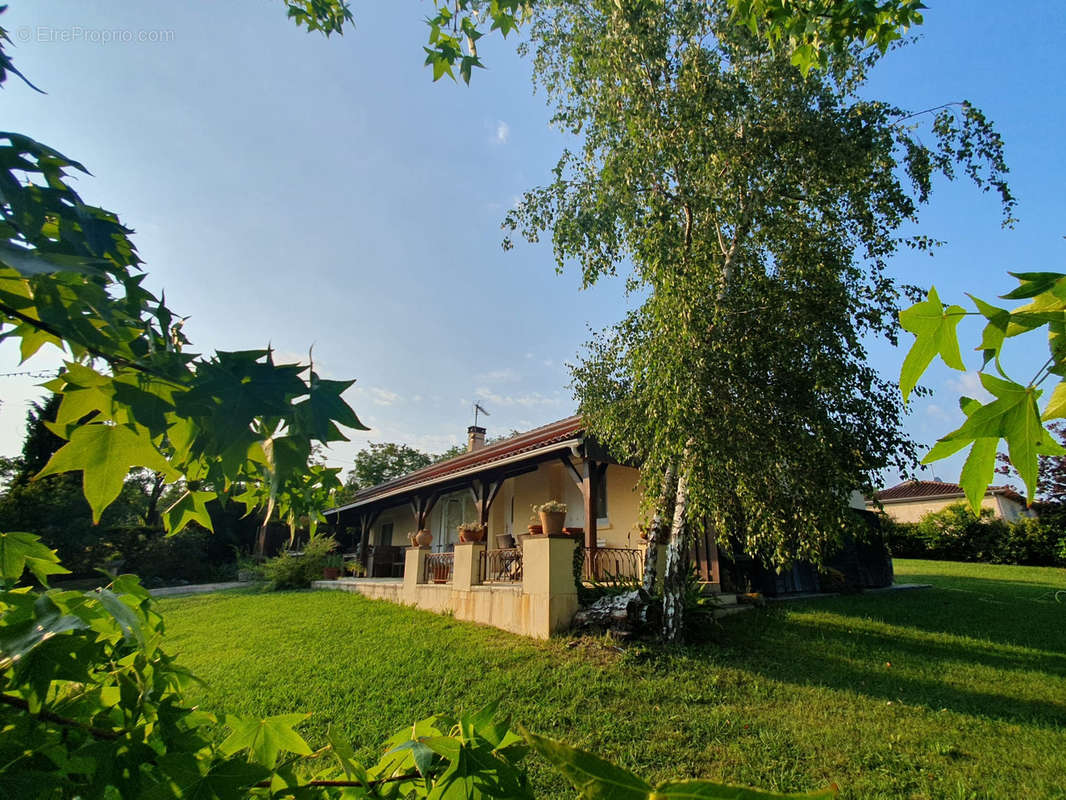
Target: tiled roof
x=528, y=442
x=917, y=490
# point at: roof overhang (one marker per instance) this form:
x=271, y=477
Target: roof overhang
x=502, y=466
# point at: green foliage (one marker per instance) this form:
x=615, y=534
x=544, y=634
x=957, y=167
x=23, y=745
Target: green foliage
x=327, y=16
x=383, y=461
x=458, y=24
x=814, y=31
x=755, y=209
x=92, y=706
x=955, y=534
x=291, y=570
x=1014, y=415
x=598, y=779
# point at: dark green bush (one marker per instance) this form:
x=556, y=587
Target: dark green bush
x=296, y=570
x=1031, y=541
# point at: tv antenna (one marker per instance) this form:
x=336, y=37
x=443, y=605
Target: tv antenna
x=477, y=409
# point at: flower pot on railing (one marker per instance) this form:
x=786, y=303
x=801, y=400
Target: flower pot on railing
x=552, y=517
x=469, y=533
x=536, y=530
x=552, y=522
x=423, y=539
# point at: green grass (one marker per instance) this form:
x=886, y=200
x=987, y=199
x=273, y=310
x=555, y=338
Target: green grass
x=953, y=692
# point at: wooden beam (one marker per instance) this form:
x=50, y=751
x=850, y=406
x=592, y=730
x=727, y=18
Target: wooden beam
x=590, y=480
x=485, y=497
x=571, y=470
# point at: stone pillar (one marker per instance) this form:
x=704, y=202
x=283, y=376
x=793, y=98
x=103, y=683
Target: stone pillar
x=414, y=570
x=467, y=569
x=548, y=580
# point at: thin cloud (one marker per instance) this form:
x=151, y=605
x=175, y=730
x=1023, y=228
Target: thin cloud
x=530, y=400
x=969, y=385
x=505, y=374
x=381, y=397
x=503, y=132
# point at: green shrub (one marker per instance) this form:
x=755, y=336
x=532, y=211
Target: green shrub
x=904, y=540
x=1031, y=542
x=955, y=534
x=296, y=571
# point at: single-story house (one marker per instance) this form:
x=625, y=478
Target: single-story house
x=911, y=500
x=498, y=484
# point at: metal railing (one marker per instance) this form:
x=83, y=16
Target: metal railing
x=613, y=565
x=501, y=566
x=439, y=567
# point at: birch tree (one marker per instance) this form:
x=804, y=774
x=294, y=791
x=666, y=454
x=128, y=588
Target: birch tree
x=753, y=208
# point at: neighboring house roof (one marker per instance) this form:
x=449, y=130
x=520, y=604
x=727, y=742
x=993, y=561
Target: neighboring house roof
x=925, y=490
x=523, y=447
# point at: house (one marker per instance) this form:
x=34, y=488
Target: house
x=497, y=484
x=911, y=500
x=523, y=583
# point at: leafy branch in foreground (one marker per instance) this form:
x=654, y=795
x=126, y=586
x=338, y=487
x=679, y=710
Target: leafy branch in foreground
x=1013, y=415
x=92, y=706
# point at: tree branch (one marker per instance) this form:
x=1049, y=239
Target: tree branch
x=48, y=716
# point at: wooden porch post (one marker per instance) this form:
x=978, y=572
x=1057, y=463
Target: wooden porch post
x=421, y=506
x=484, y=491
x=591, y=472
x=366, y=522
x=588, y=481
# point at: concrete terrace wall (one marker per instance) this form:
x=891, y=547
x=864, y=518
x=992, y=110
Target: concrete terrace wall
x=544, y=602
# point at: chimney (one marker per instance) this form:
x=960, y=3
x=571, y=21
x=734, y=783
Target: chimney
x=475, y=438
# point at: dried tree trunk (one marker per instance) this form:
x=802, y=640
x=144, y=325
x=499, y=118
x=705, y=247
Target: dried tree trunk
x=674, y=578
x=655, y=535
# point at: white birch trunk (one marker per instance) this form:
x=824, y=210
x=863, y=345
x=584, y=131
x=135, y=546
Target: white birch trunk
x=674, y=578
x=655, y=535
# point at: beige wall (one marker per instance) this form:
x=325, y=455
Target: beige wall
x=914, y=510
x=549, y=481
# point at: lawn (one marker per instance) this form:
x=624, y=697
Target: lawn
x=958, y=691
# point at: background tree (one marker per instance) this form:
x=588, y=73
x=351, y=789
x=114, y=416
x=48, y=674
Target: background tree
x=758, y=209
x=383, y=461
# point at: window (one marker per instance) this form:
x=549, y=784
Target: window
x=385, y=533
x=601, y=497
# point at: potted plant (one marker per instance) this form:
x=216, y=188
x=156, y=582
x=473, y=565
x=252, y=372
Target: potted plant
x=355, y=569
x=471, y=532
x=332, y=565
x=536, y=530
x=421, y=539
x=552, y=516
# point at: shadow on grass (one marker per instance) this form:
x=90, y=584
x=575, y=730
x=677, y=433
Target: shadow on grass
x=976, y=609
x=933, y=641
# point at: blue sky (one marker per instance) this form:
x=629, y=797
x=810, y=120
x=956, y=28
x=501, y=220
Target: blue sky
x=308, y=192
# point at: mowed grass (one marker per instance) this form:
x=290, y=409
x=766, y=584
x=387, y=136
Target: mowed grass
x=958, y=691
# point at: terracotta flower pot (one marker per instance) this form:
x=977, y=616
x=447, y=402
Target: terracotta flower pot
x=577, y=533
x=475, y=535
x=552, y=522
x=331, y=573
x=536, y=530
x=423, y=539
